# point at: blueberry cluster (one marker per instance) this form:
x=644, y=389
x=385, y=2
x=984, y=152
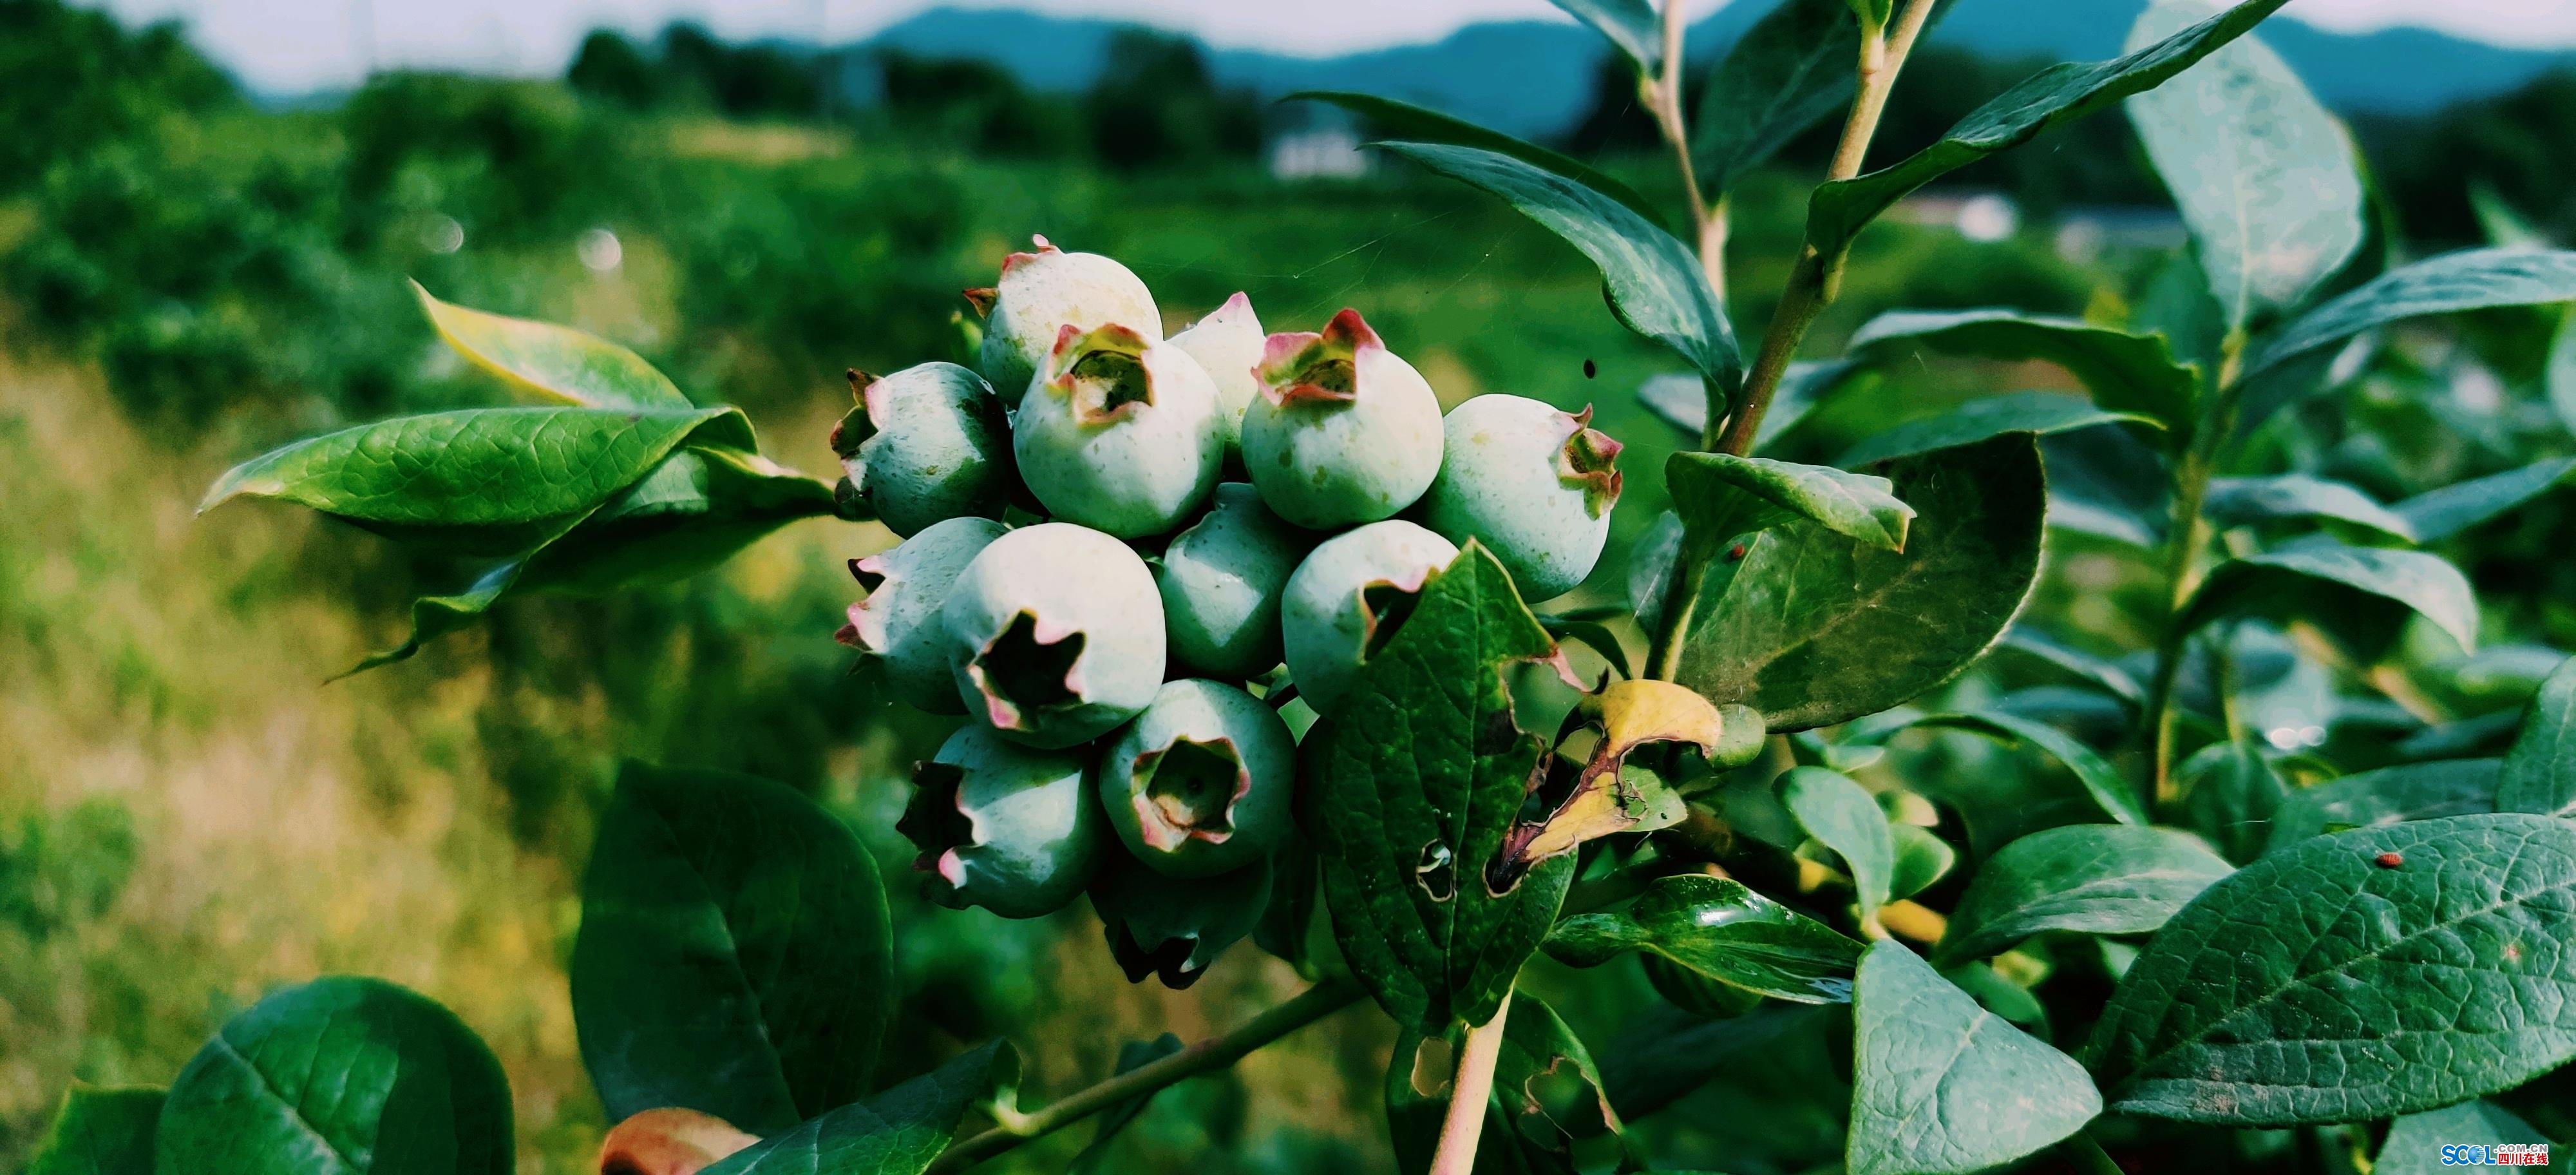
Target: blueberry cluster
x=1113, y=538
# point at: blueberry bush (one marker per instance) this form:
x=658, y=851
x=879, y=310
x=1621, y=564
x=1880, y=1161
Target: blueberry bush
x=1249, y=641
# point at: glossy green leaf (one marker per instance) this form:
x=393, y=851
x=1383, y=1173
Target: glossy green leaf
x=1629, y=24
x=556, y=362
x=1546, y=1094
x=2286, y=581
x=1814, y=629
x=2246, y=501
x=897, y=1132
x=483, y=481
x=2440, y=514
x=2135, y=373
x=1413, y=785
x=2390, y=795
x=1403, y=120
x=1844, y=817
x=2035, y=413
x=1717, y=928
x=2415, y=1141
x=2111, y=792
x=435, y=616
x=1721, y=496
x=1922, y=859
x=2265, y=177
x=1793, y=69
x=2558, y=378
x=1131, y=1055
x=2361, y=975
x=2060, y=93
x=734, y=955
x=1664, y=1053
x=1654, y=282
x=1941, y=1086
x=2114, y=680
x=100, y=1131
x=2472, y=279
x=2540, y=771
x=340, y=1076
x=2230, y=792
x=2087, y=878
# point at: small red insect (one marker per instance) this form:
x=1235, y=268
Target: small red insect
x=2389, y=860
x=1735, y=552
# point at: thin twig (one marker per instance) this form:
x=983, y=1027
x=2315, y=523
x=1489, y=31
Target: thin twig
x=1676, y=131
x=1315, y=1003
x=2187, y=531
x=1465, y=1122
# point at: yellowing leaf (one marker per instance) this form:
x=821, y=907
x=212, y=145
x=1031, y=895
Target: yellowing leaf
x=556, y=362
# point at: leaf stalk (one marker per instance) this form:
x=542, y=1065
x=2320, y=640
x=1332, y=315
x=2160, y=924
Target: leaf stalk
x=1465, y=1122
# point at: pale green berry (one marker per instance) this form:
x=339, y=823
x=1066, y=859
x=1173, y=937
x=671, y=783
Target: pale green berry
x=900, y=621
x=924, y=445
x=1121, y=435
x=1228, y=344
x=1055, y=635
x=1169, y=930
x=1041, y=293
x=1533, y=484
x=1344, y=431
x=1199, y=783
x=1221, y=581
x=1345, y=600
x=1005, y=827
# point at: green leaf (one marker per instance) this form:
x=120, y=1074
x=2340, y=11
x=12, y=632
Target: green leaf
x=1654, y=283
x=2415, y=1141
x=2265, y=178
x=2558, y=377
x=1681, y=399
x=1664, y=1053
x=2332, y=982
x=1414, y=784
x=1630, y=25
x=100, y=1131
x=2035, y=413
x=1814, y=629
x=1404, y=120
x=1844, y=817
x=1532, y=1120
x=897, y=1132
x=556, y=362
x=2060, y=93
x=1873, y=13
x=2442, y=513
x=1132, y=1055
x=2246, y=501
x=1717, y=928
x=2087, y=878
x=2390, y=795
x=2133, y=373
x=734, y=955
x=2117, y=682
x=483, y=481
x=1287, y=922
x=2472, y=279
x=1921, y=860
x=1793, y=69
x=2286, y=581
x=2540, y=770
x=2230, y=792
x=1940, y=1086
x=2114, y=795
x=1721, y=496
x=336, y=1077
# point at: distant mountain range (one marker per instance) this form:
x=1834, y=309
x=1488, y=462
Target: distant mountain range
x=1534, y=78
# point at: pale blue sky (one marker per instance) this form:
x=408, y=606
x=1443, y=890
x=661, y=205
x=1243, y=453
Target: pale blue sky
x=295, y=45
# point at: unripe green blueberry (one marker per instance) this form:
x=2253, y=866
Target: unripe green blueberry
x=1228, y=344
x=924, y=445
x=1343, y=432
x=1533, y=484
x=1221, y=581
x=1043, y=292
x=1199, y=784
x=1344, y=602
x=900, y=622
x=1169, y=929
x=1121, y=434
x=1003, y=827
x=1055, y=635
